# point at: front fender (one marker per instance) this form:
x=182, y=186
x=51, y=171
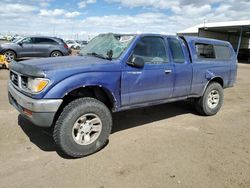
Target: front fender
x=110, y=81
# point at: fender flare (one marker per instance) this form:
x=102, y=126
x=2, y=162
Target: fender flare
x=217, y=79
x=64, y=87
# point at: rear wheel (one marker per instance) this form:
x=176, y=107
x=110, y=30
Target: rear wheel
x=83, y=127
x=211, y=101
x=9, y=55
x=56, y=54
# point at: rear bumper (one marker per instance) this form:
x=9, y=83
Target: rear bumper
x=68, y=52
x=43, y=111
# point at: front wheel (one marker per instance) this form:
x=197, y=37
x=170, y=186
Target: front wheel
x=211, y=101
x=9, y=55
x=83, y=127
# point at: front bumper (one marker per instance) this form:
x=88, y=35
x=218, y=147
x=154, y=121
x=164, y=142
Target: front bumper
x=43, y=110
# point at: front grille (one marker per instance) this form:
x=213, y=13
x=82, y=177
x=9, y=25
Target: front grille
x=14, y=78
x=24, y=82
x=19, y=80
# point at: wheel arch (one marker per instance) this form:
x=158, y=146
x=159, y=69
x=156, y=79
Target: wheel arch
x=216, y=79
x=95, y=91
x=9, y=50
x=55, y=51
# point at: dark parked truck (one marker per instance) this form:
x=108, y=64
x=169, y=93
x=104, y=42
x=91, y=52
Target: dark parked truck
x=114, y=72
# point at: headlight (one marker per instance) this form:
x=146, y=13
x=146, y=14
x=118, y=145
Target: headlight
x=36, y=85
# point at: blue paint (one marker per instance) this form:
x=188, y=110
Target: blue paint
x=134, y=87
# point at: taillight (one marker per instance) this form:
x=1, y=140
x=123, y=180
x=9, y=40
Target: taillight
x=66, y=46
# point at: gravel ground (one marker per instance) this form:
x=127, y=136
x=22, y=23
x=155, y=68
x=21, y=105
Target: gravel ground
x=162, y=146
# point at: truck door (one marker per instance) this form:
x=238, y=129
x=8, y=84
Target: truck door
x=155, y=80
x=183, y=67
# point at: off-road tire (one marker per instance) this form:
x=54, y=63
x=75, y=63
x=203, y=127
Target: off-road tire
x=63, y=127
x=201, y=104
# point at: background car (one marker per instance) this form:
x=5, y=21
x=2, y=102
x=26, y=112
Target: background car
x=1, y=37
x=72, y=44
x=34, y=46
x=16, y=37
x=82, y=43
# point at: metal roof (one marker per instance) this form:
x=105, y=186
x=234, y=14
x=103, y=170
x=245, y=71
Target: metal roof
x=233, y=25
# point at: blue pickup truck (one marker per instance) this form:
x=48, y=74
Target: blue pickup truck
x=114, y=72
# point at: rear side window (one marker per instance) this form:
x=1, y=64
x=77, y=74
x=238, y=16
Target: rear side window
x=61, y=41
x=222, y=52
x=176, y=50
x=44, y=41
x=205, y=51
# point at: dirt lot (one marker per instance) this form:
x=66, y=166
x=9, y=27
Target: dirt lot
x=163, y=146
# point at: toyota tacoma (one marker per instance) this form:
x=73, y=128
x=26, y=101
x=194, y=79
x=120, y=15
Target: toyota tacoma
x=77, y=95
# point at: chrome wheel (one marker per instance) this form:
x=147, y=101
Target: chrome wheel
x=9, y=55
x=213, y=99
x=87, y=129
x=56, y=54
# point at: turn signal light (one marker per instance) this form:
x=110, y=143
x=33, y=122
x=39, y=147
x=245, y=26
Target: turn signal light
x=27, y=112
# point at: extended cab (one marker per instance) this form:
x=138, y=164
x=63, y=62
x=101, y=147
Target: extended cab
x=114, y=72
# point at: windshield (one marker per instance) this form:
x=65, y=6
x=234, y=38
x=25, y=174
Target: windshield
x=70, y=42
x=108, y=46
x=16, y=40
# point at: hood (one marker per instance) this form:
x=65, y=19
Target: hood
x=7, y=44
x=67, y=64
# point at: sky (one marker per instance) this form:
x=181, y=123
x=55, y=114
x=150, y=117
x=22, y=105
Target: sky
x=84, y=18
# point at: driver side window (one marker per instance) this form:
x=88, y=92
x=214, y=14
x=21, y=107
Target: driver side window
x=27, y=40
x=152, y=50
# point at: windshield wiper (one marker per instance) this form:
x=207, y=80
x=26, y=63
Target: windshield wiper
x=98, y=55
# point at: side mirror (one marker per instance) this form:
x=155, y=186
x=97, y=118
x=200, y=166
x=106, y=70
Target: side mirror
x=136, y=62
x=20, y=43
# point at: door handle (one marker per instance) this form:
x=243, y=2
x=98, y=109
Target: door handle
x=168, y=71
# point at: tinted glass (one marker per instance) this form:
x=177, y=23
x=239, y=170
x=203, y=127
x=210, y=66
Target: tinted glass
x=44, y=41
x=152, y=50
x=205, y=51
x=176, y=50
x=222, y=52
